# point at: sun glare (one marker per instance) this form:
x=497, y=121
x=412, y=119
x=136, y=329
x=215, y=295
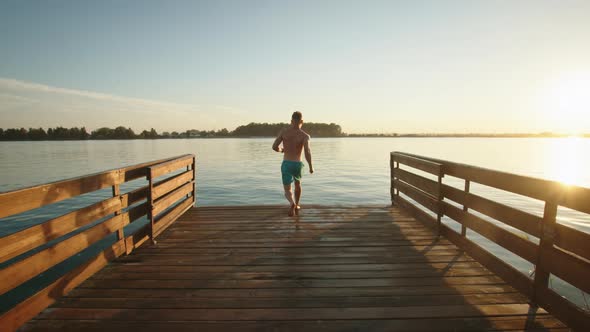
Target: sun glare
x=566, y=160
x=568, y=105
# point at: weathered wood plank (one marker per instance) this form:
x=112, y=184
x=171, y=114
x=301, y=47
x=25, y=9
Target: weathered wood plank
x=294, y=302
x=118, y=267
x=420, y=182
x=417, y=163
x=572, y=269
x=450, y=311
x=493, y=323
x=418, y=195
x=157, y=250
x=170, y=166
x=30, y=238
x=23, y=270
x=309, y=261
x=572, y=240
x=289, y=283
x=432, y=290
x=286, y=274
x=166, y=201
x=17, y=243
x=21, y=200
x=518, y=245
x=298, y=255
x=526, y=222
x=165, y=186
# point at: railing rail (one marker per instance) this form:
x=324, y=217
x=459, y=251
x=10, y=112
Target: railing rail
x=562, y=251
x=27, y=253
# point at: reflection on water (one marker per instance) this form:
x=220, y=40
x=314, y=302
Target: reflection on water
x=246, y=171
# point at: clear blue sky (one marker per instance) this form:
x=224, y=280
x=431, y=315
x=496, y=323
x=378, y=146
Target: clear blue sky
x=371, y=66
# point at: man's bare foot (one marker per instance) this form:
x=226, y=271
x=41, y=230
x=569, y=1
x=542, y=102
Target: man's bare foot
x=297, y=208
x=292, y=210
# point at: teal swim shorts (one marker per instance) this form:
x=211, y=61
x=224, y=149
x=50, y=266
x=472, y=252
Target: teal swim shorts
x=291, y=170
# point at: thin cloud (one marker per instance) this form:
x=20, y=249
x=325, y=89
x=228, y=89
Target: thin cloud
x=13, y=84
x=28, y=103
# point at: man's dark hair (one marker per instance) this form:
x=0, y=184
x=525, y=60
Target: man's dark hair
x=297, y=116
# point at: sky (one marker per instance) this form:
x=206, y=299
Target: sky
x=370, y=66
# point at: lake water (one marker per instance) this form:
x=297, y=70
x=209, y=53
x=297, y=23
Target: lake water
x=348, y=170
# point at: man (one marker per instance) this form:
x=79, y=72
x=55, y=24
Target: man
x=294, y=142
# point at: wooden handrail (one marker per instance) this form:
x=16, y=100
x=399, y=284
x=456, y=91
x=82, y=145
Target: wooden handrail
x=562, y=251
x=27, y=253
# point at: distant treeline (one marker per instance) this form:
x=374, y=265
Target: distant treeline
x=273, y=129
x=250, y=130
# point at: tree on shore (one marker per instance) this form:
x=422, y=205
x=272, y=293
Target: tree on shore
x=39, y=134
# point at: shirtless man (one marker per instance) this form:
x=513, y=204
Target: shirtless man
x=294, y=141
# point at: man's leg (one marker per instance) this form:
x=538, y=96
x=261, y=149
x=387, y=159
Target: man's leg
x=289, y=197
x=297, y=195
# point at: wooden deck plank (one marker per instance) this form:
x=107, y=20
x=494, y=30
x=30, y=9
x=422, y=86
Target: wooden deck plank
x=334, y=268
x=513, y=323
x=292, y=292
x=286, y=274
x=231, y=314
x=293, y=302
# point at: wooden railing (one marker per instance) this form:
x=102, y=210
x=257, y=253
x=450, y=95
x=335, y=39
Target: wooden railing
x=162, y=201
x=561, y=250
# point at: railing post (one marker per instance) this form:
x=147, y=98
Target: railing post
x=194, y=166
x=397, y=189
x=439, y=213
x=392, y=170
x=151, y=204
x=465, y=207
x=541, y=282
x=120, y=231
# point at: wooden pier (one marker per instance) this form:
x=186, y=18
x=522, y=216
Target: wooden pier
x=332, y=268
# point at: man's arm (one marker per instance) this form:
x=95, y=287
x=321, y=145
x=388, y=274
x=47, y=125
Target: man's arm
x=307, y=150
x=275, y=145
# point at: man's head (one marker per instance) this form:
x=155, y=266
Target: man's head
x=297, y=119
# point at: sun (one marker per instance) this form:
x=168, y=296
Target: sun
x=565, y=162
x=567, y=104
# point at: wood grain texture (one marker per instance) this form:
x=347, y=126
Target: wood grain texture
x=172, y=197
x=171, y=166
x=165, y=186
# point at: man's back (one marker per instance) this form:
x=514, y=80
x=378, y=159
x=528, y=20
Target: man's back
x=294, y=140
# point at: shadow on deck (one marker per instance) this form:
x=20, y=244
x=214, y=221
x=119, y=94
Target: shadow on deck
x=332, y=268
